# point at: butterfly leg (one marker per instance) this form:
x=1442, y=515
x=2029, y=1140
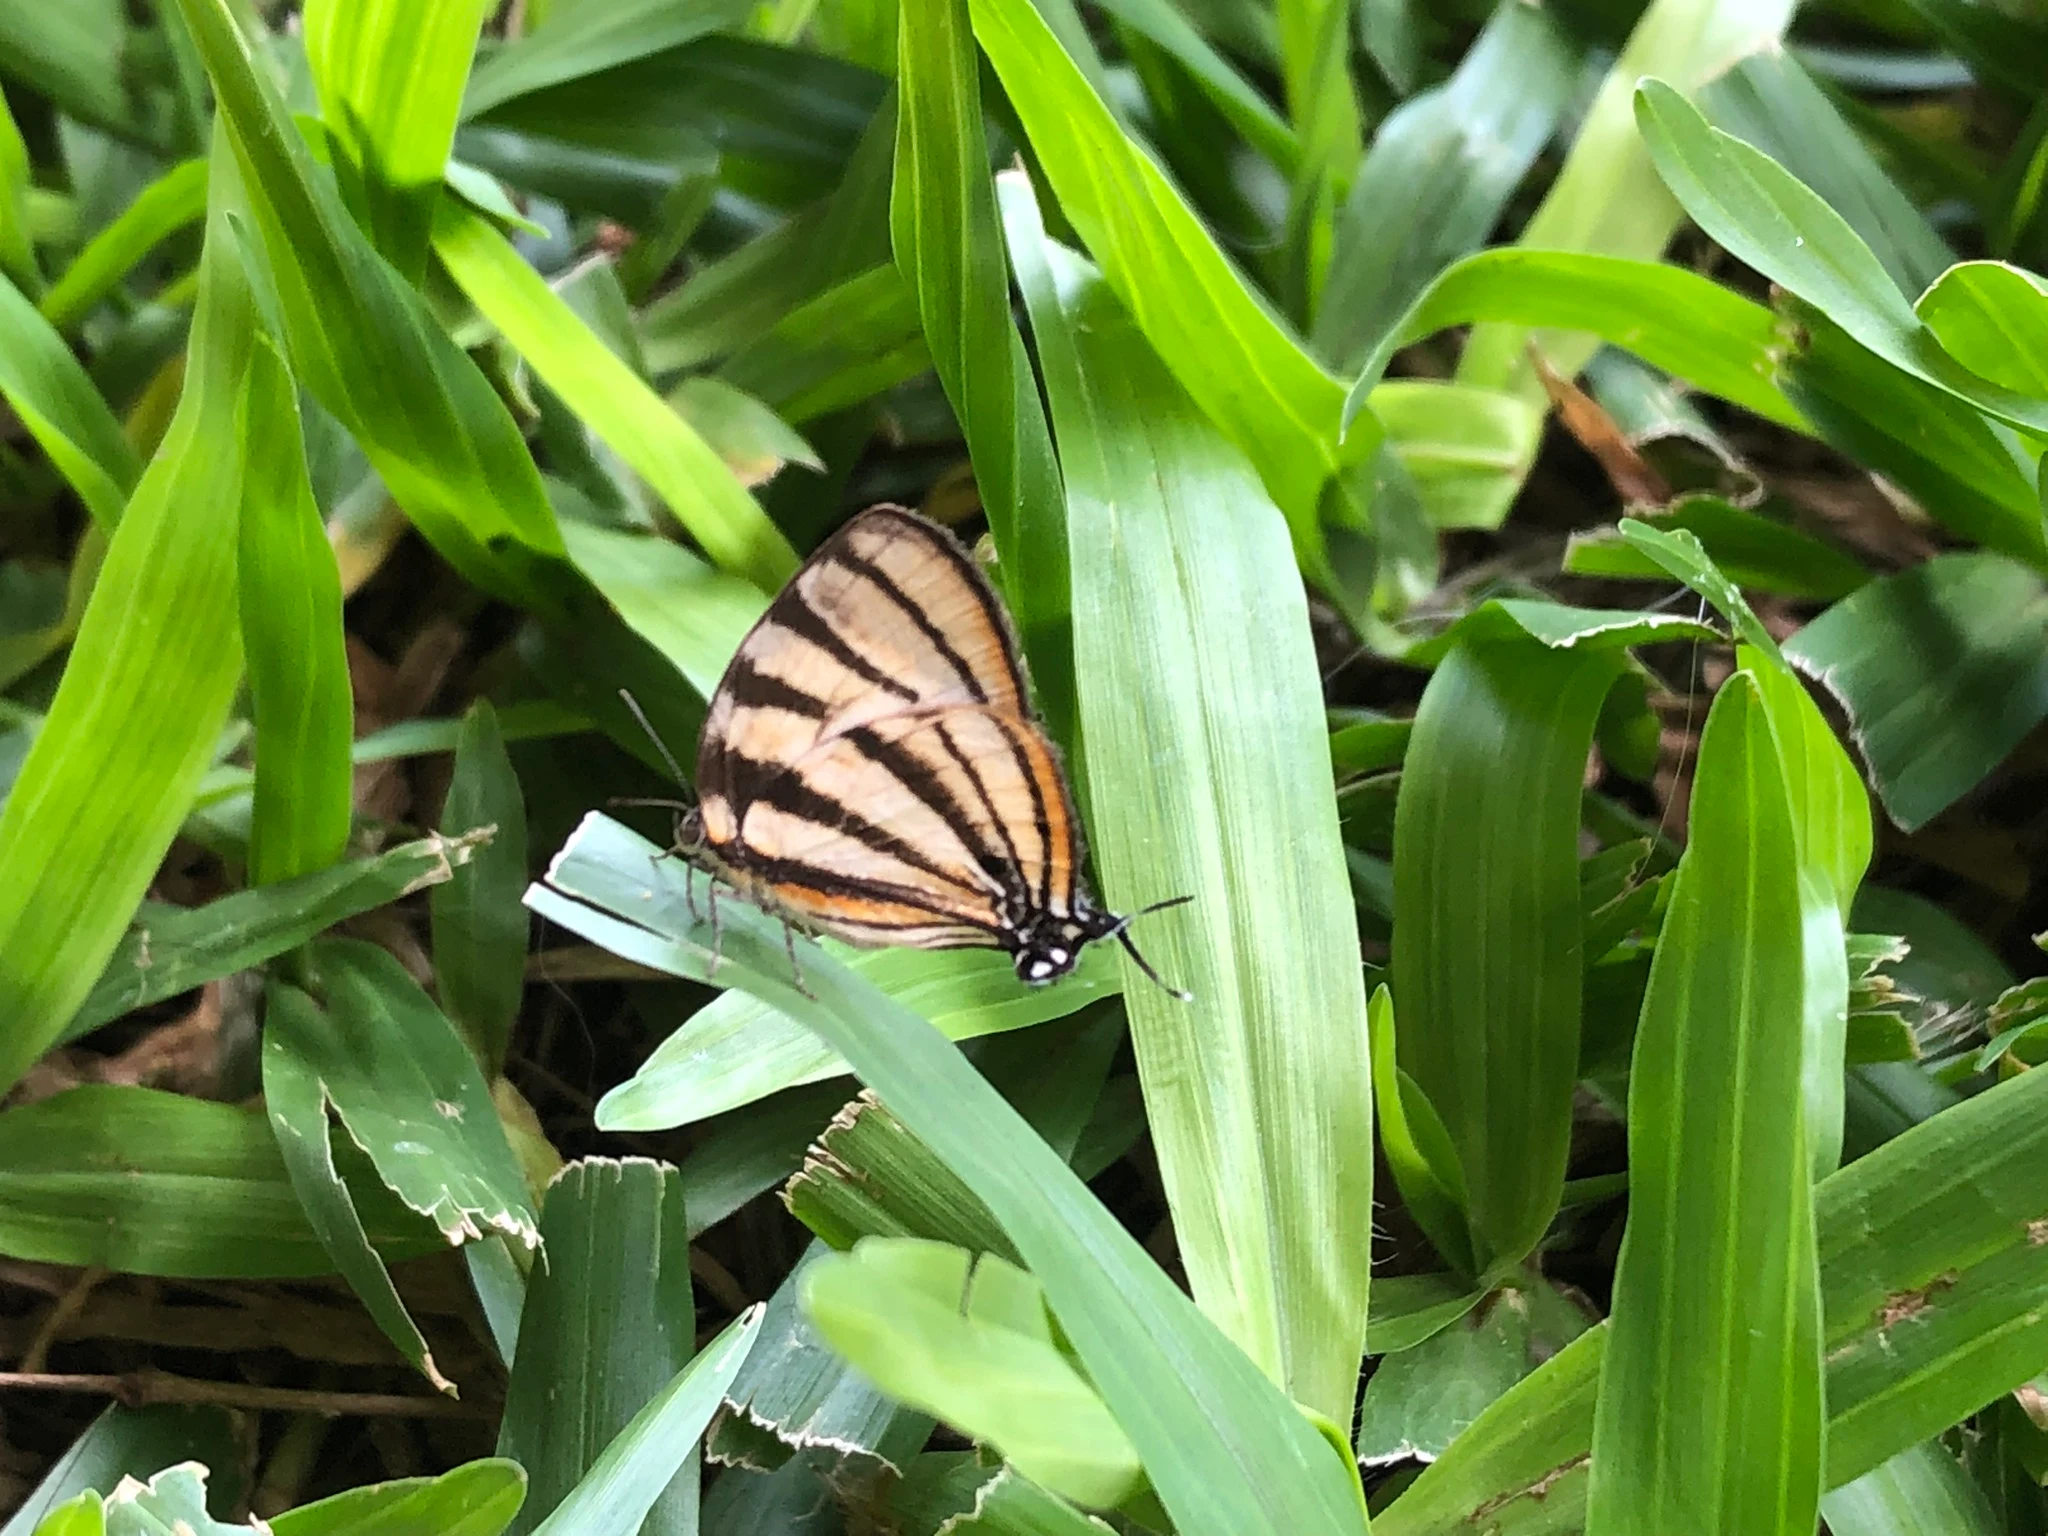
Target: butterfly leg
x=717, y=934
x=796, y=971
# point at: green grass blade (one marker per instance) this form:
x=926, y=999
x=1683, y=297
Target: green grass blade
x=586, y=40
x=1993, y=319
x=1765, y=216
x=150, y=1183
x=390, y=75
x=608, y=1322
x=1487, y=967
x=364, y=342
x=175, y=199
x=1227, y=1452
x=17, y=240
x=49, y=390
x=1681, y=322
x=1441, y=169
x=112, y=772
x=1770, y=101
x=1923, y=1491
x=628, y=1477
x=849, y=343
x=394, y=1069
x=1207, y=753
x=1467, y=450
x=949, y=246
x=478, y=1498
x=479, y=927
x=1710, y=1409
x=1607, y=198
x=1219, y=339
x=615, y=402
x=967, y=1338
x=738, y=1049
x=290, y=589
x=170, y=950
x=296, y=1100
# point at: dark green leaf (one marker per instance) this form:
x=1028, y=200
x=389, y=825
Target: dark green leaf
x=149, y=1183
x=1941, y=669
x=609, y=1320
x=479, y=926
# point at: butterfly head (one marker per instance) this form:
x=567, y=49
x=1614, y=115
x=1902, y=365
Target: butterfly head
x=1050, y=947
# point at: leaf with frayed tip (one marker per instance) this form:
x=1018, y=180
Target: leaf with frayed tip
x=296, y=1101
x=409, y=1092
x=737, y=1049
x=629, y=1475
x=607, y=1325
x=798, y=1397
x=169, y=950
x=1560, y=628
x=172, y=1503
x=978, y=1351
x=479, y=928
x=1244, y=1460
x=1941, y=672
x=868, y=1176
x=1682, y=557
x=132, y=1442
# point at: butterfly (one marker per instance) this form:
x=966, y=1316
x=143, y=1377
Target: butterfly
x=871, y=767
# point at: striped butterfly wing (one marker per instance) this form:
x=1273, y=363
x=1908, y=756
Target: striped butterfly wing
x=939, y=829
x=889, y=616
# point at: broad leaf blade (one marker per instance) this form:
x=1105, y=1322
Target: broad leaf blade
x=1710, y=1399
x=1201, y=706
x=113, y=769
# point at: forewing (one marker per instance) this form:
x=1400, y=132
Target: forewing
x=890, y=616
x=936, y=829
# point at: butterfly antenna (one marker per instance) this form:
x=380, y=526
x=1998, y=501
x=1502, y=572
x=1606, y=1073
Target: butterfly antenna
x=1122, y=934
x=675, y=769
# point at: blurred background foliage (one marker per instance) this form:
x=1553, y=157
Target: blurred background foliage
x=1531, y=515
